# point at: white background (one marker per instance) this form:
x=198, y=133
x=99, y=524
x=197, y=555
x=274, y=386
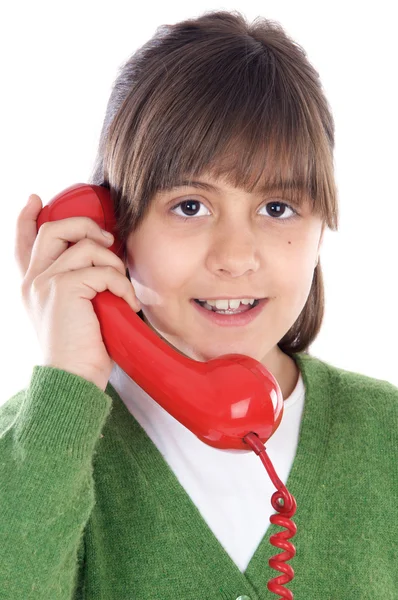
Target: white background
x=58, y=63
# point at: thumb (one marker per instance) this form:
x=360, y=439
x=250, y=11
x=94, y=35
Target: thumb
x=26, y=232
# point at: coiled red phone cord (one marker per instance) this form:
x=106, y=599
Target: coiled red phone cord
x=283, y=502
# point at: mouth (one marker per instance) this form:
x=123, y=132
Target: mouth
x=229, y=311
x=243, y=315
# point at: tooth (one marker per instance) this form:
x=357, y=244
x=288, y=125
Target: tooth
x=234, y=303
x=221, y=304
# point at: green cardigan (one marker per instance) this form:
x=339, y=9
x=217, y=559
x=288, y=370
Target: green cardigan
x=90, y=509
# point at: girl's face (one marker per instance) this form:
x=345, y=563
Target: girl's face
x=197, y=243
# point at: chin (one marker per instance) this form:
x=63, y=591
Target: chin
x=217, y=350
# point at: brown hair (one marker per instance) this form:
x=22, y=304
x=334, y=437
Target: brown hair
x=238, y=101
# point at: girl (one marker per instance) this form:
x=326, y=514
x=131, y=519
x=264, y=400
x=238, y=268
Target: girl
x=217, y=148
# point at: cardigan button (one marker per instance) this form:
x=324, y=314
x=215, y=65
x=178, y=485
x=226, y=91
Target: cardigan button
x=243, y=597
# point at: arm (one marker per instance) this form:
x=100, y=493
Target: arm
x=48, y=434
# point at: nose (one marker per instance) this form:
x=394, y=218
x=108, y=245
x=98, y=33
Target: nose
x=233, y=252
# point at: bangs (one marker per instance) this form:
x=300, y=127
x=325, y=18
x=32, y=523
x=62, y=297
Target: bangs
x=249, y=123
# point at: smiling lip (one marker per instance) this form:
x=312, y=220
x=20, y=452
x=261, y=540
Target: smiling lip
x=234, y=320
x=229, y=298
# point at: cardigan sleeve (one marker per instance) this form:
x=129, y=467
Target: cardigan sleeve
x=48, y=434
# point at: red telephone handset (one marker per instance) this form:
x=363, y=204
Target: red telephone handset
x=228, y=402
x=221, y=400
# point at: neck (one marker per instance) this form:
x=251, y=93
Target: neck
x=284, y=369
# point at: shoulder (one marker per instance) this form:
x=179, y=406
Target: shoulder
x=345, y=385
x=9, y=410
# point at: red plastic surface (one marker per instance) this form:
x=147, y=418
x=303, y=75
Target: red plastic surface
x=221, y=400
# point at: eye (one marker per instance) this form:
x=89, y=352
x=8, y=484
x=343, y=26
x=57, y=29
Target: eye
x=190, y=208
x=278, y=209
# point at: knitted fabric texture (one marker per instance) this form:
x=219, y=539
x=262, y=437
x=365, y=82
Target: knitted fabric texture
x=89, y=509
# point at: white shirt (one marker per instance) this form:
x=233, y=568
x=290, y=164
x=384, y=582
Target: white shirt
x=230, y=488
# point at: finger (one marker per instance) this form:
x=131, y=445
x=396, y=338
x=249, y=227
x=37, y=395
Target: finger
x=92, y=281
x=54, y=237
x=83, y=254
x=26, y=231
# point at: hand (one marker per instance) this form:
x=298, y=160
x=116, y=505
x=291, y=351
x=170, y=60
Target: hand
x=58, y=286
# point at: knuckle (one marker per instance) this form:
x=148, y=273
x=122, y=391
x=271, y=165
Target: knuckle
x=35, y=286
x=82, y=221
x=57, y=285
x=110, y=270
x=44, y=227
x=90, y=225
x=119, y=265
x=59, y=279
x=86, y=243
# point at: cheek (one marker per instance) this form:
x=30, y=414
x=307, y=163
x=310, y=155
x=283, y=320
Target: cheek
x=295, y=277
x=160, y=270
x=302, y=283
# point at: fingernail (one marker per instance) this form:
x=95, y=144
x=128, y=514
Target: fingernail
x=108, y=235
x=30, y=199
